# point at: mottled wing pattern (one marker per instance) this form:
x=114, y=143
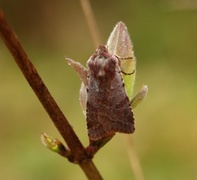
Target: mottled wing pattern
x=108, y=108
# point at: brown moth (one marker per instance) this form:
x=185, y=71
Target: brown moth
x=108, y=108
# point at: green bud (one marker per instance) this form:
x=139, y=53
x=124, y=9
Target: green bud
x=54, y=145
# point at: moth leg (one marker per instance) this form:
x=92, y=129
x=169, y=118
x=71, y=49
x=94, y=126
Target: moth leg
x=123, y=58
x=126, y=59
x=79, y=69
x=128, y=73
x=139, y=96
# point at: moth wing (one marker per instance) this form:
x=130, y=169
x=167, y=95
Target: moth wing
x=109, y=111
x=119, y=117
x=96, y=129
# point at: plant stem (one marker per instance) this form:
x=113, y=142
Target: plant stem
x=48, y=102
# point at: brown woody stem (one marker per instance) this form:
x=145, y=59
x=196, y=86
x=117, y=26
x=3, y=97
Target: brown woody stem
x=38, y=86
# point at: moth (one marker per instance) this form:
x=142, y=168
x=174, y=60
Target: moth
x=108, y=108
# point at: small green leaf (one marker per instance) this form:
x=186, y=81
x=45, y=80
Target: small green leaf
x=119, y=44
x=140, y=96
x=82, y=73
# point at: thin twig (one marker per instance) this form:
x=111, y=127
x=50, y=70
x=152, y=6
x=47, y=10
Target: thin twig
x=89, y=16
x=38, y=86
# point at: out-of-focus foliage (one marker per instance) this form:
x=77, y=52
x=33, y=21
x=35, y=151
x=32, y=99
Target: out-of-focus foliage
x=164, y=37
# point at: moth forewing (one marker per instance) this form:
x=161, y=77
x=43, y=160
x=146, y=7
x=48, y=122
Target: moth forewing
x=108, y=106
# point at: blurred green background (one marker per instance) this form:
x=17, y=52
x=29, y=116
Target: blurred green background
x=164, y=34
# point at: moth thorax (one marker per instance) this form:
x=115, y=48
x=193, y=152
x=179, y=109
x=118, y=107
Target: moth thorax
x=101, y=63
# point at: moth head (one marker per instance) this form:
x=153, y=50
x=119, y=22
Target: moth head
x=102, y=63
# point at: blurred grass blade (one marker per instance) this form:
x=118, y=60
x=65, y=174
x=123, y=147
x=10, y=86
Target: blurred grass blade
x=119, y=43
x=91, y=21
x=134, y=159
